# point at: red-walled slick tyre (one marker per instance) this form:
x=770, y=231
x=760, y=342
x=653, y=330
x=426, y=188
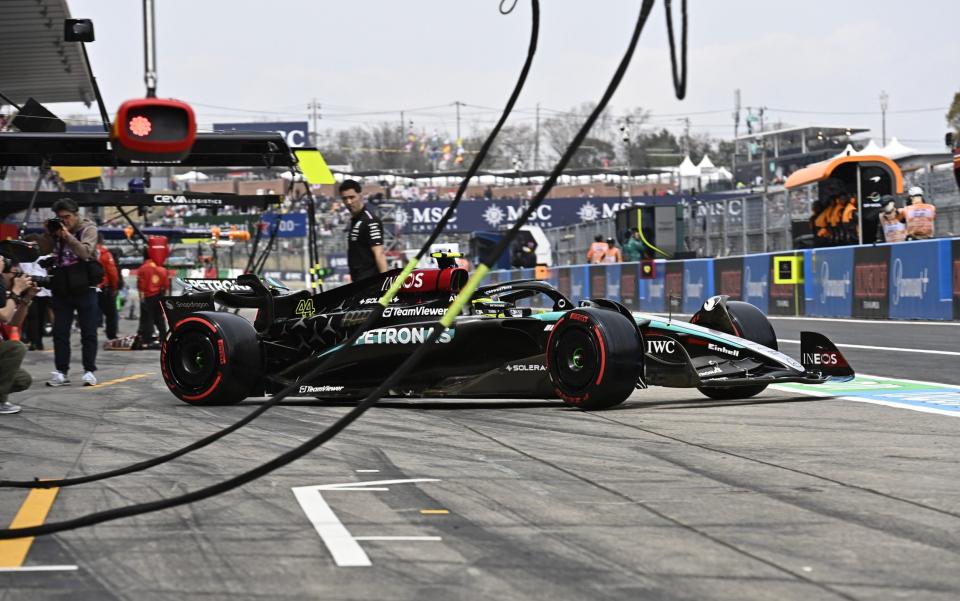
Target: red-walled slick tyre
x=594, y=358
x=211, y=358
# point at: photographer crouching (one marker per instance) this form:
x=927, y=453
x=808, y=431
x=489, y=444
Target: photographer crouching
x=75, y=274
x=16, y=293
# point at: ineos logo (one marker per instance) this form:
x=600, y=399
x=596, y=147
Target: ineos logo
x=414, y=280
x=821, y=358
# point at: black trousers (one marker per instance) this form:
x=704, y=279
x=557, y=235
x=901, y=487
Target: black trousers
x=85, y=306
x=107, y=298
x=13, y=378
x=151, y=316
x=36, y=321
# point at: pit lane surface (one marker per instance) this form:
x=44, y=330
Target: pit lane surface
x=671, y=496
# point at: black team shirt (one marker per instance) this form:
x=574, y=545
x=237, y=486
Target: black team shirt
x=366, y=231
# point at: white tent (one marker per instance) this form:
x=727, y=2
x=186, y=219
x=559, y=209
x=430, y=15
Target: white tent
x=688, y=169
x=706, y=165
x=895, y=149
x=871, y=148
x=847, y=152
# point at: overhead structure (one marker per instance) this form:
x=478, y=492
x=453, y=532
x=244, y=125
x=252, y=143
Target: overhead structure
x=36, y=62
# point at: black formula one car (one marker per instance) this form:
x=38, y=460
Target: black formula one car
x=592, y=356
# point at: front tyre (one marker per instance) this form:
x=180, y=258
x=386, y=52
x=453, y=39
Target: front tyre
x=750, y=323
x=211, y=358
x=594, y=358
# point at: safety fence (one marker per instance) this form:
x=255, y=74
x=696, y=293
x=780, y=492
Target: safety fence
x=907, y=280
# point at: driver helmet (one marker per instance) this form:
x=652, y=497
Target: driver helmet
x=888, y=203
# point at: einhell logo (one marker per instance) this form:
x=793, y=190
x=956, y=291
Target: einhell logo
x=730, y=282
x=870, y=281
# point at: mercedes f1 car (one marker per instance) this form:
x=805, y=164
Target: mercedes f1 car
x=592, y=356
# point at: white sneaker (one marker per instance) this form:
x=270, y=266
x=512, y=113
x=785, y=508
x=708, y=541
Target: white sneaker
x=58, y=379
x=89, y=379
x=7, y=408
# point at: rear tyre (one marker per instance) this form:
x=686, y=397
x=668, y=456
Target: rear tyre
x=594, y=358
x=211, y=358
x=750, y=323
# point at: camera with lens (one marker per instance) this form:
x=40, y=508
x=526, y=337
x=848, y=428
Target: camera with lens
x=42, y=281
x=54, y=224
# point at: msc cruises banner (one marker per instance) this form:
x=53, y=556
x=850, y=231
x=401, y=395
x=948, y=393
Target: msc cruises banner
x=478, y=215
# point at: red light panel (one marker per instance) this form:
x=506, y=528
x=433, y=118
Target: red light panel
x=140, y=126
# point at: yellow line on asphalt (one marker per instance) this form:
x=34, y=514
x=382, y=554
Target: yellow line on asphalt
x=435, y=511
x=119, y=380
x=33, y=512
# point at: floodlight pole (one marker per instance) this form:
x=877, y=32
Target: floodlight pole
x=149, y=49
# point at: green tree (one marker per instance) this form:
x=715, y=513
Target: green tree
x=953, y=117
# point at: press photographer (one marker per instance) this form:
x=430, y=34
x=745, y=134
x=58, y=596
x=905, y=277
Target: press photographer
x=75, y=274
x=16, y=293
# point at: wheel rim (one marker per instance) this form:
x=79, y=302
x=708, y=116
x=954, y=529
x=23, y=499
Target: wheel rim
x=576, y=358
x=193, y=360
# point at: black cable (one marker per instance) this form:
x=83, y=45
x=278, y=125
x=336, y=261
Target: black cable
x=679, y=80
x=370, y=400
x=306, y=447
x=369, y=322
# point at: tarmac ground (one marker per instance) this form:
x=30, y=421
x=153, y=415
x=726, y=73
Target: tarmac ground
x=790, y=495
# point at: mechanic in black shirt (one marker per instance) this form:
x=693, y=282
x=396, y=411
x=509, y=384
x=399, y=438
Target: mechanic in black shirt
x=365, y=254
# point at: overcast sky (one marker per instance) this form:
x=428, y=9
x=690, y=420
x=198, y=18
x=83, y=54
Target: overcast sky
x=809, y=61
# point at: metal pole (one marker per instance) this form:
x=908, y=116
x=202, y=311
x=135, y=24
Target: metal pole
x=723, y=228
x=743, y=222
x=736, y=128
x=536, y=141
x=457, y=103
x=859, y=208
x=149, y=49
x=884, y=103
x=763, y=169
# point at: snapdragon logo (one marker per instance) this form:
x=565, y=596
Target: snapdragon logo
x=754, y=289
x=833, y=288
x=908, y=287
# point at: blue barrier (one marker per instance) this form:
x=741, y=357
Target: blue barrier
x=828, y=275
x=907, y=280
x=697, y=283
x=653, y=291
x=756, y=281
x=920, y=280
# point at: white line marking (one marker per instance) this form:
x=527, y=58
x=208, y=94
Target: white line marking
x=344, y=549
x=64, y=568
x=876, y=322
x=368, y=471
x=884, y=348
x=389, y=538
